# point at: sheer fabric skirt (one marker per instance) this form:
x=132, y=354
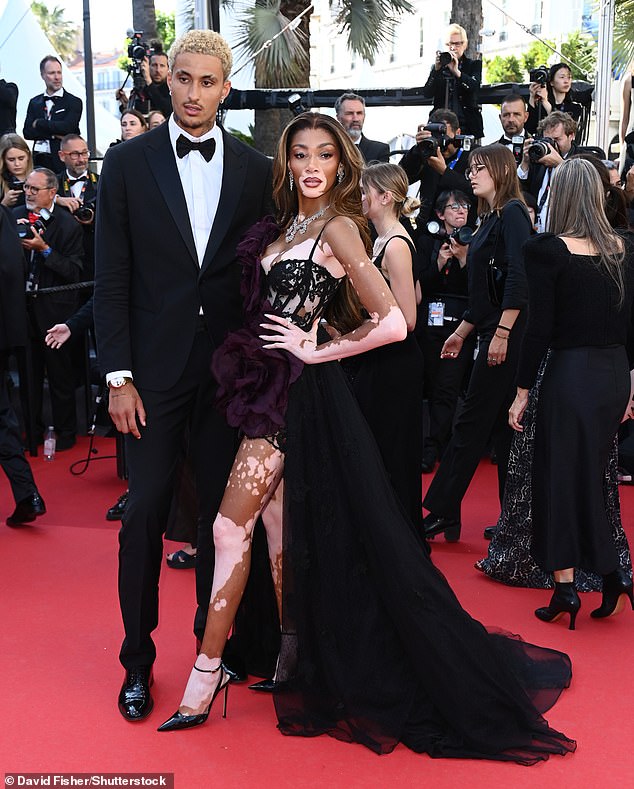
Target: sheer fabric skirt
x=376, y=648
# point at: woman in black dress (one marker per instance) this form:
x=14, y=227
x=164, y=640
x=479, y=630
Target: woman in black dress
x=375, y=647
x=497, y=301
x=581, y=284
x=388, y=381
x=555, y=94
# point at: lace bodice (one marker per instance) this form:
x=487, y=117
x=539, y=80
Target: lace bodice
x=300, y=290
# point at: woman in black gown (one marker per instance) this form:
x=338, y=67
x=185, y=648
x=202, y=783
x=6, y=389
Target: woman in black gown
x=388, y=381
x=375, y=647
x=581, y=285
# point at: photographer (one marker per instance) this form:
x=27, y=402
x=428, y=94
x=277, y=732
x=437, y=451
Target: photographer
x=16, y=162
x=154, y=92
x=52, y=244
x=549, y=91
x=454, y=82
x=554, y=143
x=439, y=161
x=441, y=281
x=77, y=191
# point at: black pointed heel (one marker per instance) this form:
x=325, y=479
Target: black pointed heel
x=617, y=586
x=565, y=600
x=180, y=721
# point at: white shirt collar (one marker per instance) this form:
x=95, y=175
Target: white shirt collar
x=75, y=177
x=59, y=92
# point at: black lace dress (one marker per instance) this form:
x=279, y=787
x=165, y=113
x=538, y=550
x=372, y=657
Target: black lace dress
x=376, y=648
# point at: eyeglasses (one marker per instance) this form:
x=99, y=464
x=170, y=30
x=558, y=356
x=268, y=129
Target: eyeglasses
x=456, y=206
x=454, y=43
x=36, y=189
x=474, y=170
x=77, y=154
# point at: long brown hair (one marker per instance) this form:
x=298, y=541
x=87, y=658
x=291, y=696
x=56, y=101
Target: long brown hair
x=345, y=311
x=8, y=141
x=502, y=168
x=577, y=209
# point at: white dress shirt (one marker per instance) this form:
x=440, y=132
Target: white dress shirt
x=44, y=146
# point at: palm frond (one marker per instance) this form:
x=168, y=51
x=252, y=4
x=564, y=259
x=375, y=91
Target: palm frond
x=623, y=49
x=369, y=24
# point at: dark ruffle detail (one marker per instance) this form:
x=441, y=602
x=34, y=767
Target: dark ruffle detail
x=253, y=381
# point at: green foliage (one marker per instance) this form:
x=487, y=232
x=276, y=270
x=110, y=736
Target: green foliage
x=246, y=138
x=166, y=28
x=59, y=31
x=581, y=49
x=500, y=69
x=369, y=24
x=537, y=54
x=623, y=50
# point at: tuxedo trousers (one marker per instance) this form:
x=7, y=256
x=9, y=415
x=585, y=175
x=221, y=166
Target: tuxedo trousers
x=484, y=415
x=12, y=459
x=152, y=462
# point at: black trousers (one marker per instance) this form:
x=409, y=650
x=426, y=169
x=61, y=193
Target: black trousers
x=12, y=459
x=151, y=464
x=484, y=415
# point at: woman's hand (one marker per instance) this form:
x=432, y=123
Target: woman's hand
x=497, y=351
x=459, y=251
x=286, y=335
x=11, y=197
x=452, y=346
x=516, y=411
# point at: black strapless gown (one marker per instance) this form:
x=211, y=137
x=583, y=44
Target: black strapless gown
x=376, y=648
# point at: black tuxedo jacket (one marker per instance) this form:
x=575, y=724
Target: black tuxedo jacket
x=8, y=106
x=12, y=298
x=536, y=173
x=464, y=98
x=88, y=231
x=64, y=119
x=148, y=285
x=373, y=150
x=62, y=267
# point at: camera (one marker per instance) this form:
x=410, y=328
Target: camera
x=138, y=48
x=440, y=139
x=540, y=147
x=444, y=58
x=86, y=211
x=39, y=226
x=539, y=75
x=461, y=235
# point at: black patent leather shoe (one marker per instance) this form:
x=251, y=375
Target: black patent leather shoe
x=135, y=700
x=115, y=513
x=490, y=532
x=565, y=600
x=27, y=510
x=264, y=686
x=180, y=721
x=435, y=524
x=617, y=588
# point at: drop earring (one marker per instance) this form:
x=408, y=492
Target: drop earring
x=291, y=180
x=340, y=174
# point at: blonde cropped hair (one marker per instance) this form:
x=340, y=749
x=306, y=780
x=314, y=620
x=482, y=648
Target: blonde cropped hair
x=454, y=28
x=203, y=42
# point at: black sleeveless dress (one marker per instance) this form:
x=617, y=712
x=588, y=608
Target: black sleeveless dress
x=376, y=648
x=388, y=385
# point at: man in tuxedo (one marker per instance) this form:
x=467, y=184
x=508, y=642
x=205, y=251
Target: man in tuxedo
x=443, y=171
x=78, y=190
x=155, y=94
x=53, y=255
x=350, y=112
x=173, y=204
x=50, y=116
x=560, y=128
x=513, y=116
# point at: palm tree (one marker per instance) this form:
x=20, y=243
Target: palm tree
x=468, y=13
x=623, y=50
x=60, y=32
x=368, y=24
x=144, y=18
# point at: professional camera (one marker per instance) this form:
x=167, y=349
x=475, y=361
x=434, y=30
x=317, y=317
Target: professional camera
x=138, y=48
x=440, y=139
x=86, y=211
x=540, y=147
x=444, y=59
x=39, y=226
x=538, y=75
x=461, y=235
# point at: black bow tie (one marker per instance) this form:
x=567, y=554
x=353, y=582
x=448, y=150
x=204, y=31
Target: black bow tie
x=80, y=180
x=206, y=148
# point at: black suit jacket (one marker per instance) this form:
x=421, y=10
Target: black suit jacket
x=463, y=94
x=62, y=267
x=12, y=298
x=89, y=196
x=373, y=150
x=8, y=106
x=536, y=173
x=148, y=284
x=64, y=119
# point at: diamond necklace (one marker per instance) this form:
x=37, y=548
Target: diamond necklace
x=301, y=227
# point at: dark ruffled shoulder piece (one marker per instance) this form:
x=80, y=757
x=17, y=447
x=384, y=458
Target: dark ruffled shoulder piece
x=253, y=381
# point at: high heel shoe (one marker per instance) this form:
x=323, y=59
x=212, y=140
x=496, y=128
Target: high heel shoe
x=565, y=600
x=616, y=587
x=180, y=721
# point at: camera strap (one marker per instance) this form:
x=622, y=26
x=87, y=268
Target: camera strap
x=455, y=160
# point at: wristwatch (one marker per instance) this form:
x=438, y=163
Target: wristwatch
x=117, y=383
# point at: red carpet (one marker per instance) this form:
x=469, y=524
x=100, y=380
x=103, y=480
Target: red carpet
x=60, y=675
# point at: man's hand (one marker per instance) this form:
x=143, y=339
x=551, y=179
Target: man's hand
x=437, y=162
x=35, y=244
x=145, y=71
x=552, y=158
x=72, y=203
x=126, y=409
x=57, y=335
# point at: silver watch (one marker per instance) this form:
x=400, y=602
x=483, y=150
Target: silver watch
x=117, y=383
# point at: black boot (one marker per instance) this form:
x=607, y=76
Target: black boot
x=616, y=587
x=565, y=600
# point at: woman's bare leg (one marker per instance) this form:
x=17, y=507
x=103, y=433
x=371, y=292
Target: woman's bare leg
x=272, y=520
x=254, y=477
